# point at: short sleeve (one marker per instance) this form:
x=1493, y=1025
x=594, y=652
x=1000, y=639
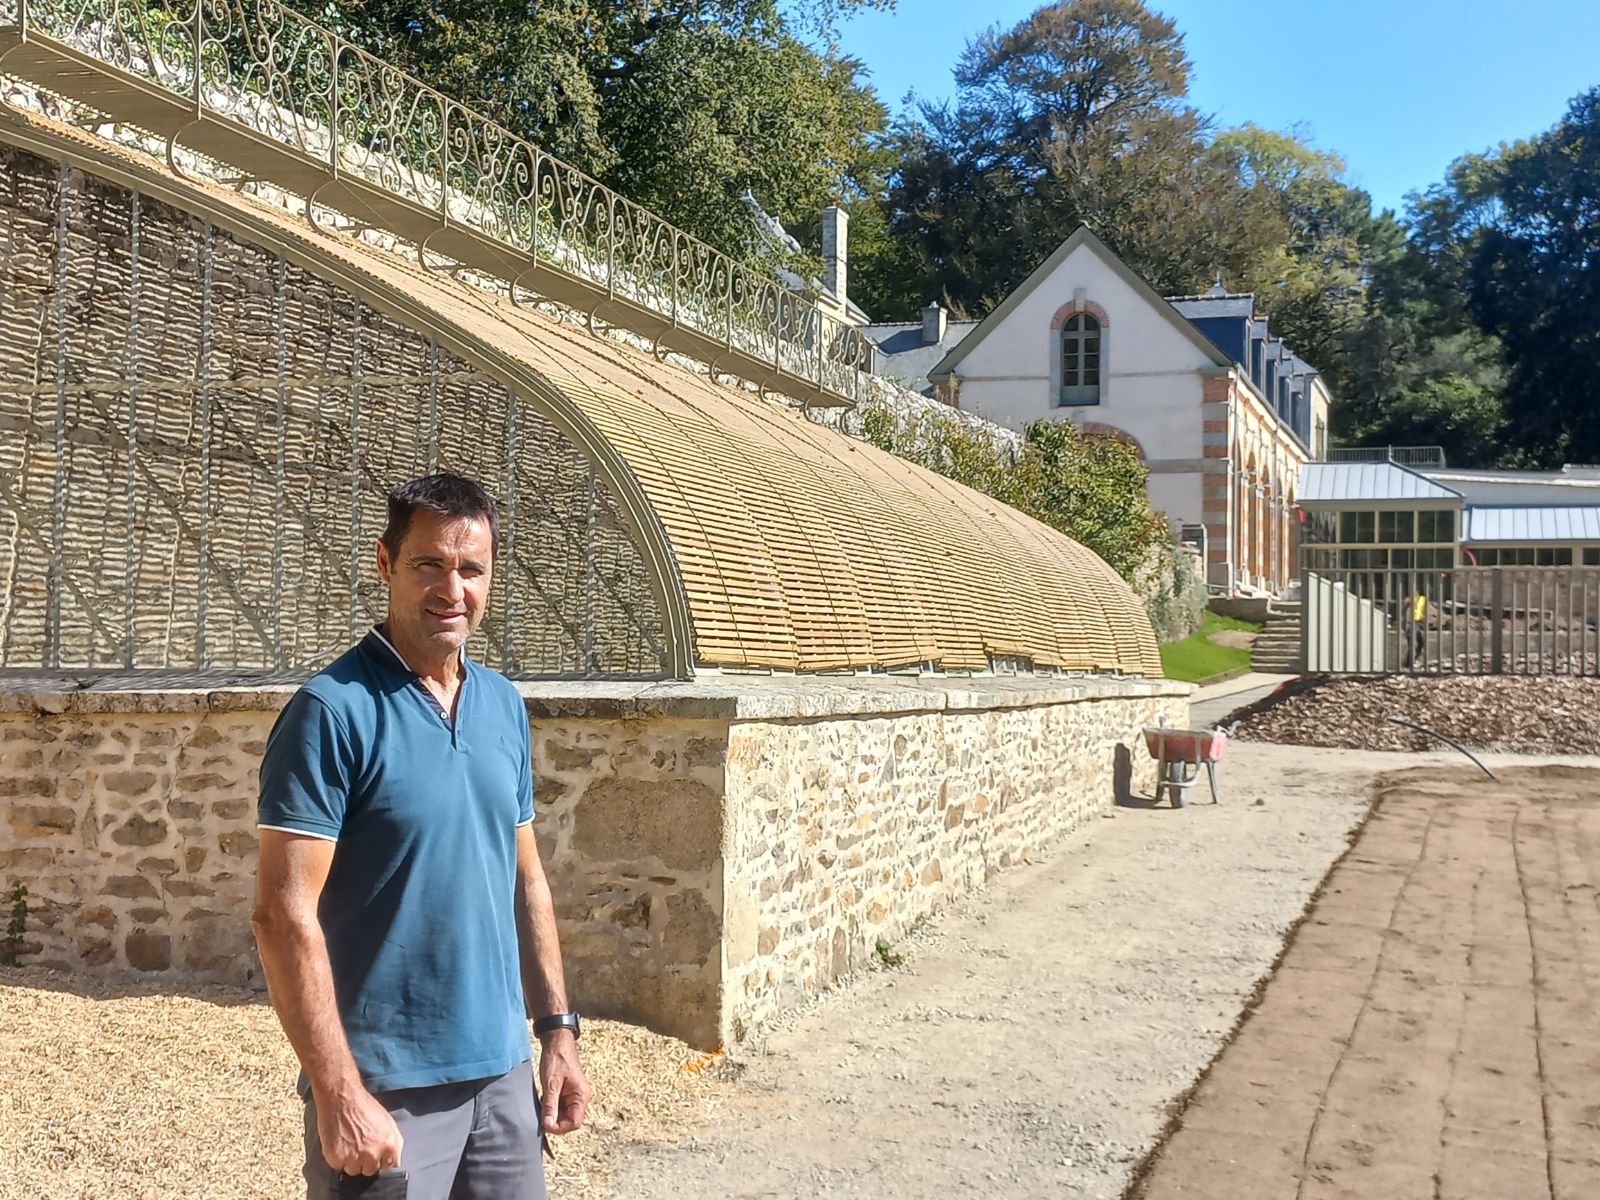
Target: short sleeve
x=525, y=775
x=305, y=773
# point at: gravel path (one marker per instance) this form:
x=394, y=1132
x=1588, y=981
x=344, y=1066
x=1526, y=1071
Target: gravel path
x=1430, y=1031
x=1036, y=1035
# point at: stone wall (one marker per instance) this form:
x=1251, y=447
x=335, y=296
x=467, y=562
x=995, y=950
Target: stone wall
x=718, y=851
x=131, y=819
x=847, y=829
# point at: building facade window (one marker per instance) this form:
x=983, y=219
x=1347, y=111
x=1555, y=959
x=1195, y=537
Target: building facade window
x=1429, y=527
x=1080, y=359
x=1374, y=540
x=1526, y=556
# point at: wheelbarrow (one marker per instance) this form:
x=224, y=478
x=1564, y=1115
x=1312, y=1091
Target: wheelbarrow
x=1179, y=755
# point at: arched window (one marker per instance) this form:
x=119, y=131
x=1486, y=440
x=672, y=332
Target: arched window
x=1080, y=360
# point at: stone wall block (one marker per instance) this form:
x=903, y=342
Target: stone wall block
x=148, y=950
x=706, y=873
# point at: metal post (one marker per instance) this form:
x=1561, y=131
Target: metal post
x=821, y=341
x=533, y=241
x=433, y=407
x=1497, y=595
x=355, y=479
x=611, y=243
x=280, y=322
x=131, y=494
x=199, y=44
x=203, y=524
x=589, y=576
x=1583, y=634
x=1305, y=618
x=509, y=547
x=335, y=45
x=58, y=492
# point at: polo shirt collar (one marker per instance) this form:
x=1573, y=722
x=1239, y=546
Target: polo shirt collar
x=382, y=649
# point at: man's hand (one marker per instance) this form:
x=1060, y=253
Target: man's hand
x=563, y=1090
x=359, y=1137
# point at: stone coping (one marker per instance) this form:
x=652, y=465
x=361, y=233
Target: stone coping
x=708, y=698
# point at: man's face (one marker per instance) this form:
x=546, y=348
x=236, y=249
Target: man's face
x=439, y=582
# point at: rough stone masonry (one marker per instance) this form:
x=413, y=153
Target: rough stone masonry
x=718, y=850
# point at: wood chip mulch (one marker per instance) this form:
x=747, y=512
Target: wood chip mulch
x=1515, y=714
x=131, y=1091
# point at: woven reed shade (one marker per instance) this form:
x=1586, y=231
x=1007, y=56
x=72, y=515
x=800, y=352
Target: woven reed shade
x=794, y=546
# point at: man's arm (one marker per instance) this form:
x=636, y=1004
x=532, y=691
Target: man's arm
x=564, y=1090
x=358, y=1135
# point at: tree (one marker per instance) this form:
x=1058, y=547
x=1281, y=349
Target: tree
x=681, y=105
x=1533, y=279
x=1076, y=114
x=1080, y=114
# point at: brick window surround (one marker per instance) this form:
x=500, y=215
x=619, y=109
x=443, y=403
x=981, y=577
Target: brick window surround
x=1070, y=309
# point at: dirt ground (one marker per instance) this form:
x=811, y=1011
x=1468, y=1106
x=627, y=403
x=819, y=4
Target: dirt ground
x=1031, y=1045
x=1431, y=1031
x=1036, y=1035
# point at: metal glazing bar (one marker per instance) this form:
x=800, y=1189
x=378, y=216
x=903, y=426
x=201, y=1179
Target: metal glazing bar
x=355, y=477
x=130, y=575
x=433, y=407
x=509, y=545
x=58, y=492
x=589, y=666
x=203, y=523
x=281, y=349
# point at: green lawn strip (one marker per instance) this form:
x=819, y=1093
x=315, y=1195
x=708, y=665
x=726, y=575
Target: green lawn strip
x=1197, y=657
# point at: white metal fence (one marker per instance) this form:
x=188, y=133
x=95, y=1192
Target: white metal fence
x=1470, y=621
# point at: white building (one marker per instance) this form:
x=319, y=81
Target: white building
x=1221, y=412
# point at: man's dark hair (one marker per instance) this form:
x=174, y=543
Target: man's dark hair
x=445, y=494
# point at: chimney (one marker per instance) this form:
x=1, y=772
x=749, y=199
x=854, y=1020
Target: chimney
x=836, y=252
x=933, y=324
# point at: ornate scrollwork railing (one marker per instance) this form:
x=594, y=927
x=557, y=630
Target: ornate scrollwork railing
x=259, y=67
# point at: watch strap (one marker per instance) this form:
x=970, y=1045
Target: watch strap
x=555, y=1021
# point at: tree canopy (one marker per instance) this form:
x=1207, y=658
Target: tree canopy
x=1468, y=320
x=681, y=105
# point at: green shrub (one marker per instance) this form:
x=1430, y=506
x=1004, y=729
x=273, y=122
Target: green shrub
x=1089, y=486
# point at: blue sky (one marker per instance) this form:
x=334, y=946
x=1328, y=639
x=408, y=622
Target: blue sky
x=1397, y=88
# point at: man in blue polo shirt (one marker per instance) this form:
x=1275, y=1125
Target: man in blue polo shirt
x=403, y=916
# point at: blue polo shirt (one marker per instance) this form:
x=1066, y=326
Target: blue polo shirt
x=419, y=906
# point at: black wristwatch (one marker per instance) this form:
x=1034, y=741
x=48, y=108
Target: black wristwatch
x=555, y=1021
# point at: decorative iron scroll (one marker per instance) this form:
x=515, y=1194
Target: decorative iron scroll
x=269, y=71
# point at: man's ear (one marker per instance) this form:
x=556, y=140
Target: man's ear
x=385, y=567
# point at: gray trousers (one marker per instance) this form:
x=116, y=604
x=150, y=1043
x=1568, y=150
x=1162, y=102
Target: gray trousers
x=477, y=1140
